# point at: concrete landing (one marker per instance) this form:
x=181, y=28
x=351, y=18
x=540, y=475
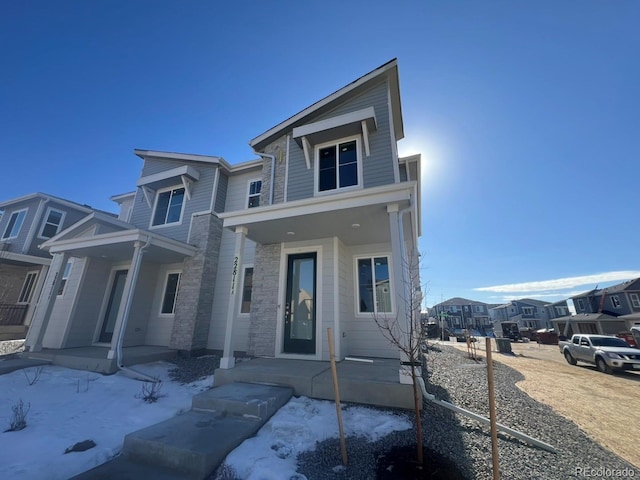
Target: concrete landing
x=194, y=444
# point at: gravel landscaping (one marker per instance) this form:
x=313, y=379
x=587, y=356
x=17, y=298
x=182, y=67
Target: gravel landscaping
x=9, y=347
x=462, y=381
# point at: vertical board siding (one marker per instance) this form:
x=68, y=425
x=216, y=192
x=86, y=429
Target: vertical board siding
x=378, y=167
x=201, y=192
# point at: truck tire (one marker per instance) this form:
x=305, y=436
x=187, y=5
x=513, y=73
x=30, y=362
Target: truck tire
x=602, y=366
x=569, y=358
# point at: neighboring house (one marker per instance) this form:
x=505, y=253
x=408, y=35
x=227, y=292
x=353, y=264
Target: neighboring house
x=528, y=313
x=26, y=223
x=461, y=313
x=608, y=310
x=258, y=258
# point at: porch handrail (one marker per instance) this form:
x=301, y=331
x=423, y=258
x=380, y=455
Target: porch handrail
x=12, y=314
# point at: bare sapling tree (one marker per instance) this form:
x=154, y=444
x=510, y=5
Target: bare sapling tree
x=404, y=330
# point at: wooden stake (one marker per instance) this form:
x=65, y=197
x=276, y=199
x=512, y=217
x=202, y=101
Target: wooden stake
x=336, y=390
x=492, y=413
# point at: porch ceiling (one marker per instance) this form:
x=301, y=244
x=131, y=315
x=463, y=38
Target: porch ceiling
x=356, y=219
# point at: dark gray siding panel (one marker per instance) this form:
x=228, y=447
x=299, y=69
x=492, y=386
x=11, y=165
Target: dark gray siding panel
x=201, y=192
x=221, y=194
x=378, y=167
x=18, y=243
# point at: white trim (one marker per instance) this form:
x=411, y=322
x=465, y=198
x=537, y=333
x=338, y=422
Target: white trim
x=282, y=295
x=635, y=300
x=316, y=166
x=214, y=194
x=286, y=171
x=17, y=213
x=61, y=201
x=163, y=292
x=356, y=297
x=394, y=143
x=155, y=205
x=306, y=148
x=64, y=279
x=46, y=218
x=367, y=115
x=148, y=195
x=21, y=257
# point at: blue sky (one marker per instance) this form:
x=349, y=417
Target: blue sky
x=526, y=114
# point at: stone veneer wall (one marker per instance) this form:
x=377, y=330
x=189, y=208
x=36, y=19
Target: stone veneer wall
x=195, y=296
x=264, y=301
x=279, y=150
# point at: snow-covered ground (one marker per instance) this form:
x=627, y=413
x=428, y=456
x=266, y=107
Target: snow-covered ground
x=70, y=406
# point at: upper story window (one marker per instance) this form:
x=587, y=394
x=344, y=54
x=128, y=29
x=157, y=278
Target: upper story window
x=15, y=224
x=478, y=308
x=580, y=304
x=453, y=308
x=52, y=223
x=635, y=300
x=338, y=165
x=527, y=310
x=561, y=311
x=615, y=301
x=255, y=187
x=168, y=207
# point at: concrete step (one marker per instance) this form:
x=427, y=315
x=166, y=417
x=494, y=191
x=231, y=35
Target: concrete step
x=193, y=444
x=250, y=399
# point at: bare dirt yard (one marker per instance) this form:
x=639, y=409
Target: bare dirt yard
x=606, y=407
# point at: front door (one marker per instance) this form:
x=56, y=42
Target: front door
x=113, y=305
x=300, y=306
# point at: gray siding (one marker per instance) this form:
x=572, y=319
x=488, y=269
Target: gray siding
x=221, y=194
x=378, y=168
x=71, y=217
x=159, y=325
x=18, y=244
x=201, y=192
x=141, y=306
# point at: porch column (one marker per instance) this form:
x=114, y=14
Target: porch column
x=42, y=314
x=227, y=360
x=400, y=284
x=125, y=302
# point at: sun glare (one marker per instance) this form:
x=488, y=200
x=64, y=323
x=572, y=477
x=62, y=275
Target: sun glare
x=430, y=161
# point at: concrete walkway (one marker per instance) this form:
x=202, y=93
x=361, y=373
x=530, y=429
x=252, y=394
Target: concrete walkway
x=13, y=362
x=194, y=444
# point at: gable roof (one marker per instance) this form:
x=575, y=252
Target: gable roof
x=389, y=69
x=459, y=301
x=46, y=196
x=633, y=284
x=193, y=157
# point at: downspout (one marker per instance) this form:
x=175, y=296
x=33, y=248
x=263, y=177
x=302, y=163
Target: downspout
x=134, y=373
x=273, y=173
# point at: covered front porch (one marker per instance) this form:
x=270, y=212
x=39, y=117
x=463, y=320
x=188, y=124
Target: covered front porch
x=96, y=359
x=370, y=382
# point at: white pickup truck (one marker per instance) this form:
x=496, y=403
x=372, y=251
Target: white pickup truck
x=608, y=354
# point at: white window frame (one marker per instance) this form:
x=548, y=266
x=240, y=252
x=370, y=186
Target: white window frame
x=316, y=166
x=580, y=304
x=356, y=297
x=65, y=273
x=635, y=300
x=164, y=292
x=531, y=311
x=244, y=276
x=453, y=308
x=249, y=195
x=21, y=298
x=615, y=302
x=46, y=222
x=155, y=205
x=8, y=235
x=478, y=308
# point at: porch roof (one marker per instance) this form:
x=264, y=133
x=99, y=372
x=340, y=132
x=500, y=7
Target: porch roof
x=21, y=259
x=119, y=246
x=355, y=217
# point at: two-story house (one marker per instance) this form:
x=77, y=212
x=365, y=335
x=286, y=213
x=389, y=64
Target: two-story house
x=259, y=257
x=26, y=223
x=460, y=313
x=608, y=310
x=528, y=313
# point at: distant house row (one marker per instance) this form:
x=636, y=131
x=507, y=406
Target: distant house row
x=461, y=313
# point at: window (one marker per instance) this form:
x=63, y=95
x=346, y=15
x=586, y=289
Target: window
x=580, y=304
x=455, y=320
x=168, y=208
x=453, y=308
x=635, y=300
x=247, y=287
x=615, y=301
x=374, y=293
x=338, y=166
x=478, y=308
x=255, y=186
x=52, y=223
x=15, y=223
x=65, y=277
x=561, y=311
x=527, y=311
x=27, y=287
x=170, y=293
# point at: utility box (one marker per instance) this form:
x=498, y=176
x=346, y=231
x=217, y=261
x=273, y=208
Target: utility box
x=504, y=345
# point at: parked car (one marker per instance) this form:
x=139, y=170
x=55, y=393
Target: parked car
x=607, y=353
